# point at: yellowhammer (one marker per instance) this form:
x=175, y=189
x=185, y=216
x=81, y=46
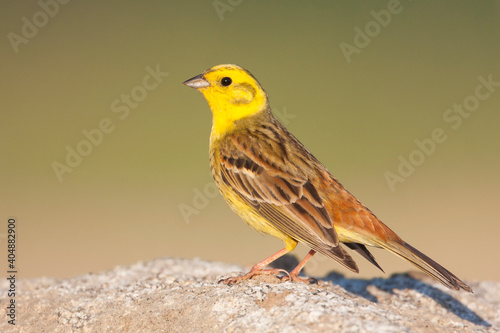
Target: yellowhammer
x=279, y=188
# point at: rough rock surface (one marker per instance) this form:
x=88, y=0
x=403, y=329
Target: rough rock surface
x=180, y=295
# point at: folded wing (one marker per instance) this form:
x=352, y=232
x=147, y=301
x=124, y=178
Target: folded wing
x=280, y=191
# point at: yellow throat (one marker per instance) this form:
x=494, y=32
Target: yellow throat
x=232, y=94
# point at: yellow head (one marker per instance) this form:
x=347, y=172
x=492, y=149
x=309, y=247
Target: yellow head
x=231, y=92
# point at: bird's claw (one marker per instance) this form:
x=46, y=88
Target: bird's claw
x=295, y=278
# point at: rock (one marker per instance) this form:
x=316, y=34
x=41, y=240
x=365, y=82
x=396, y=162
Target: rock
x=182, y=295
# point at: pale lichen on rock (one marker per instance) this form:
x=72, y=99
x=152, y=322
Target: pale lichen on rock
x=182, y=295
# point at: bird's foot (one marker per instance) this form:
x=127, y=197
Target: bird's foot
x=295, y=278
x=254, y=272
x=288, y=277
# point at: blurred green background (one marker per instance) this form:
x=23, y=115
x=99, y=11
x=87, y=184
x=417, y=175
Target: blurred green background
x=358, y=113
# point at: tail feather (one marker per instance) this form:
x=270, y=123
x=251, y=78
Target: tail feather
x=426, y=264
x=339, y=254
x=363, y=251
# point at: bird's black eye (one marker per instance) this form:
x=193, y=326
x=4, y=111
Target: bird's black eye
x=226, y=81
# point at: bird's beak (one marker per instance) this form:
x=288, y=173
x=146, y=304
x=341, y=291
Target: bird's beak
x=197, y=82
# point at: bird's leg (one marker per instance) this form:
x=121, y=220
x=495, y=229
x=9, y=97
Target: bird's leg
x=294, y=275
x=258, y=269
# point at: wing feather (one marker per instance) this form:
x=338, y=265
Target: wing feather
x=279, y=190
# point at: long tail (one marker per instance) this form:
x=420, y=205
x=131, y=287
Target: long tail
x=426, y=264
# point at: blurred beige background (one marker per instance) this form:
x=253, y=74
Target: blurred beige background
x=357, y=100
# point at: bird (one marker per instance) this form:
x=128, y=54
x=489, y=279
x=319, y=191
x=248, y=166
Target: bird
x=272, y=181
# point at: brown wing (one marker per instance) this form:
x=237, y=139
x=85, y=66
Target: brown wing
x=273, y=179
